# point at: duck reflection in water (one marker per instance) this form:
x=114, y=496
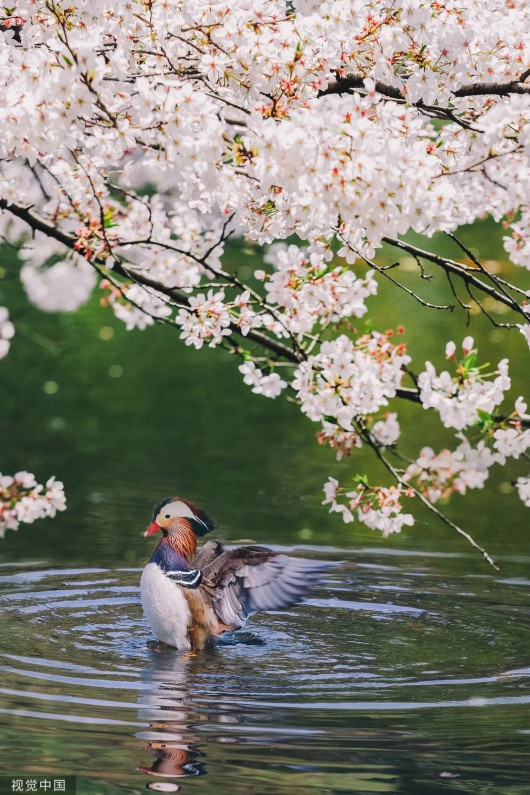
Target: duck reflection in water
x=171, y=712
x=173, y=759
x=165, y=706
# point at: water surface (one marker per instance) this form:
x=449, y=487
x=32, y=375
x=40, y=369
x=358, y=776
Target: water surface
x=396, y=676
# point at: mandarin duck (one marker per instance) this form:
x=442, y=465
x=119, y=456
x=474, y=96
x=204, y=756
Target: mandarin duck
x=189, y=598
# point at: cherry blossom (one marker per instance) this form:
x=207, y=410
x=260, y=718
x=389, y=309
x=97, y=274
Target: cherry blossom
x=388, y=518
x=22, y=499
x=140, y=306
x=379, y=508
x=347, y=379
x=387, y=430
x=331, y=490
x=310, y=291
x=7, y=331
x=61, y=287
x=340, y=440
x=525, y=331
x=439, y=475
x=523, y=487
x=269, y=385
x=207, y=319
x=512, y=442
x=458, y=398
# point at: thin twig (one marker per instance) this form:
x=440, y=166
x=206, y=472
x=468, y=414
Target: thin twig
x=38, y=223
x=465, y=307
x=459, y=269
x=445, y=519
x=382, y=271
x=479, y=265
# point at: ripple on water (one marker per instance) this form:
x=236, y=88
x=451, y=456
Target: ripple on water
x=351, y=687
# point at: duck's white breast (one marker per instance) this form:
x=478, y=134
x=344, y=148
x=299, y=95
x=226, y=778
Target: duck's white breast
x=165, y=607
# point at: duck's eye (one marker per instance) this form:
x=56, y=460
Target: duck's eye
x=167, y=516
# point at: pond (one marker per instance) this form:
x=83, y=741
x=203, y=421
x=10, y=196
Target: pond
x=406, y=671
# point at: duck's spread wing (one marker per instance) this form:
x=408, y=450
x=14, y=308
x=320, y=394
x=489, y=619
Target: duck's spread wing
x=243, y=580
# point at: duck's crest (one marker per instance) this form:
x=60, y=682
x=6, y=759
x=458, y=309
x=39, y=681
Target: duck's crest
x=160, y=505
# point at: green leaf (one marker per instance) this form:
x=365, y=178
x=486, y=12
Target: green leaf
x=361, y=480
x=108, y=221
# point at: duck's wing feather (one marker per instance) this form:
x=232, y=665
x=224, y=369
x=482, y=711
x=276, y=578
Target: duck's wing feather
x=240, y=581
x=208, y=553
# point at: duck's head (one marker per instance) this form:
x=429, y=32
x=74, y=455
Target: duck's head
x=178, y=519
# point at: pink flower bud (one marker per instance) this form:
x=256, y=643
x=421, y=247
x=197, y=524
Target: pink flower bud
x=450, y=349
x=467, y=344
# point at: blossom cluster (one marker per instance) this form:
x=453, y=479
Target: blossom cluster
x=236, y=109
x=379, y=508
x=439, y=475
x=387, y=431
x=460, y=397
x=269, y=385
x=64, y=286
x=23, y=500
x=343, y=442
x=310, y=290
x=347, y=379
x=206, y=320
x=136, y=306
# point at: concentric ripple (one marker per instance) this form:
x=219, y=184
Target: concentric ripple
x=349, y=692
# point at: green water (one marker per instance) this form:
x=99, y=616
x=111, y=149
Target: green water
x=406, y=671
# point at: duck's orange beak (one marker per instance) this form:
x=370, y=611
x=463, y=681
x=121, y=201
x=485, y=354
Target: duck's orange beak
x=153, y=528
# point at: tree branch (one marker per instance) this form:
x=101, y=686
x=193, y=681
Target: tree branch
x=354, y=82
x=382, y=271
x=396, y=475
x=350, y=83
x=466, y=273
x=39, y=224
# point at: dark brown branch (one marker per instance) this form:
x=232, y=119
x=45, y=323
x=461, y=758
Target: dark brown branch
x=492, y=89
x=382, y=271
x=356, y=82
x=463, y=271
x=350, y=83
x=41, y=225
x=428, y=504
x=353, y=82
x=479, y=265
